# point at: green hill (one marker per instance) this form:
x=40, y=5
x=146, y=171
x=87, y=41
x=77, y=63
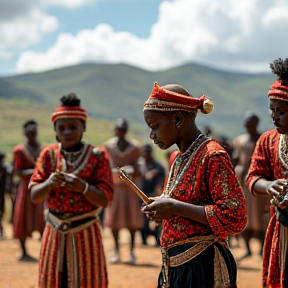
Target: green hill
x=15, y=112
x=111, y=91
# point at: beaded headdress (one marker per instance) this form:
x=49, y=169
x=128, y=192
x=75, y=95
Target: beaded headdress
x=165, y=100
x=69, y=112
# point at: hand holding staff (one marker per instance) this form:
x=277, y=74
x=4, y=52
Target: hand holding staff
x=124, y=177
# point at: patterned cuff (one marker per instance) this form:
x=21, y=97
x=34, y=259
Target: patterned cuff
x=212, y=219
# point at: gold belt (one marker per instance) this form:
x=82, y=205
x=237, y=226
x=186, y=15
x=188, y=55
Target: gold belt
x=59, y=225
x=221, y=275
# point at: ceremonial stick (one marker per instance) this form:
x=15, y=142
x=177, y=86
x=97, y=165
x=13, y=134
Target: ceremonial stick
x=136, y=189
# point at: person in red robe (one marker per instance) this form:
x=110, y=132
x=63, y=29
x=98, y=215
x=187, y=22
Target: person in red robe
x=202, y=202
x=28, y=216
x=268, y=173
x=75, y=181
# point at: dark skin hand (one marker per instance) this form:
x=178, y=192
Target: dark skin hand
x=273, y=188
x=165, y=208
x=72, y=182
x=278, y=188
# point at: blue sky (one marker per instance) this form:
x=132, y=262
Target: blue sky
x=38, y=35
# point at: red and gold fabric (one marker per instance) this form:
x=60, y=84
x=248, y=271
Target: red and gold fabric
x=265, y=164
x=279, y=90
x=211, y=182
x=62, y=200
x=83, y=247
x=69, y=112
x=164, y=100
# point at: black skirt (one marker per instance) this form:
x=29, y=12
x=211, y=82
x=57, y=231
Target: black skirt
x=199, y=271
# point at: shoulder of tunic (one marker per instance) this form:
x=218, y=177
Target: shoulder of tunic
x=98, y=151
x=50, y=147
x=213, y=147
x=18, y=148
x=270, y=134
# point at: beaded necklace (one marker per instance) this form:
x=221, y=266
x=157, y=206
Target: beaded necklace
x=176, y=174
x=73, y=162
x=283, y=153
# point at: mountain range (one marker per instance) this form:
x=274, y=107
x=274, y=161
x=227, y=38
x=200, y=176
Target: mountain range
x=109, y=91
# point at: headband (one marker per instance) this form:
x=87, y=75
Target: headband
x=165, y=100
x=279, y=91
x=69, y=112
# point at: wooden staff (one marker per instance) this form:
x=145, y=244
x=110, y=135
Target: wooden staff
x=123, y=176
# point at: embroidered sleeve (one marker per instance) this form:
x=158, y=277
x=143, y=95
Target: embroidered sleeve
x=102, y=176
x=260, y=166
x=227, y=215
x=42, y=168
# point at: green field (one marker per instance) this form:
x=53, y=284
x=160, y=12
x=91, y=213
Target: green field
x=16, y=112
x=111, y=91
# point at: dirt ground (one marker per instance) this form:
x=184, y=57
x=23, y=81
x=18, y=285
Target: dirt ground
x=15, y=274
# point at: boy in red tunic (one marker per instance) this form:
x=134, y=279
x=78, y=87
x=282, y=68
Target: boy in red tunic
x=202, y=202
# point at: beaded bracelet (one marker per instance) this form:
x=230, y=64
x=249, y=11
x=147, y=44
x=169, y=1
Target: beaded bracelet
x=86, y=188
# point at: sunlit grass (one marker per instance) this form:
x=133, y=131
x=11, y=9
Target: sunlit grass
x=14, y=113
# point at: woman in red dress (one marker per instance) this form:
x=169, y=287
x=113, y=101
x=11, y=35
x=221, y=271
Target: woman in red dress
x=27, y=217
x=268, y=173
x=202, y=202
x=74, y=179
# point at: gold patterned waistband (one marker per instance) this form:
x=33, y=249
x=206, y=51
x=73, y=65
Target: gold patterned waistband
x=221, y=275
x=73, y=224
x=203, y=242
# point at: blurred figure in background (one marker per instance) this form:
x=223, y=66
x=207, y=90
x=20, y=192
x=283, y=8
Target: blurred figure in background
x=3, y=176
x=153, y=174
x=28, y=217
x=257, y=208
x=124, y=210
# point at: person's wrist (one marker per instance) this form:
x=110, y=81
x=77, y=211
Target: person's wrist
x=50, y=183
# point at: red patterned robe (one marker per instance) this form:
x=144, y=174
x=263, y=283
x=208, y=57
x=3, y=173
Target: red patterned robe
x=28, y=217
x=86, y=266
x=211, y=182
x=265, y=164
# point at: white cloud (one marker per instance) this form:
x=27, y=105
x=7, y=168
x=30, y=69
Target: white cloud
x=245, y=35
x=24, y=22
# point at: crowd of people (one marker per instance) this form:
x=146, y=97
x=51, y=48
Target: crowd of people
x=209, y=190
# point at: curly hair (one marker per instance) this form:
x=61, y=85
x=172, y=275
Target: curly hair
x=280, y=68
x=70, y=100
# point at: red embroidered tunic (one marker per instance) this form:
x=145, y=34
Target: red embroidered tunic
x=211, y=182
x=265, y=164
x=65, y=201
x=86, y=266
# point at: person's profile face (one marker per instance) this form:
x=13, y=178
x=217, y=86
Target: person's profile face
x=69, y=132
x=162, y=128
x=279, y=115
